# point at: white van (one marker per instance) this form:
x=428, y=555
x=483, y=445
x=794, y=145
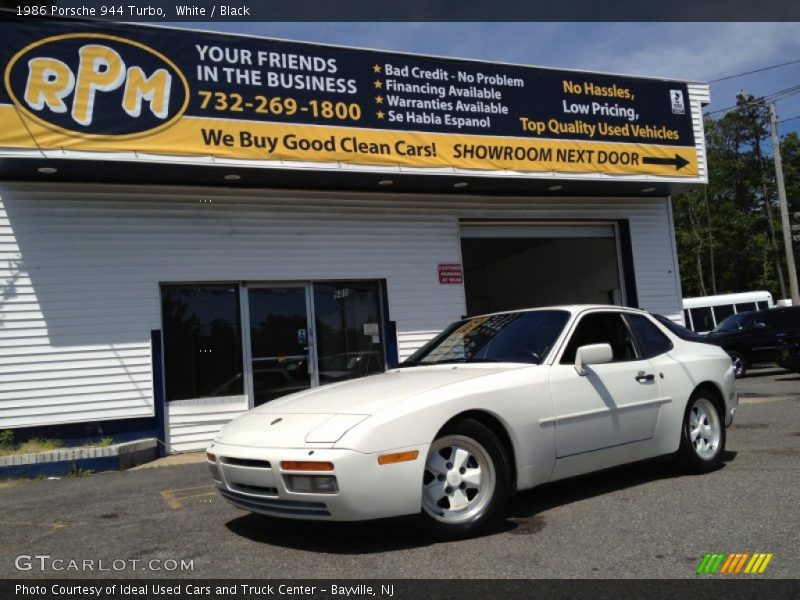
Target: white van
x=704, y=313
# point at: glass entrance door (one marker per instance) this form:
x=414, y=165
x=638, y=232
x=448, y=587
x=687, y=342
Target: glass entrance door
x=307, y=334
x=347, y=317
x=280, y=341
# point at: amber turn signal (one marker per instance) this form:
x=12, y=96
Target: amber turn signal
x=305, y=465
x=390, y=459
x=211, y=457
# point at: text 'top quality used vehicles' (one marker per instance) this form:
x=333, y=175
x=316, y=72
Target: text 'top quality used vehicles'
x=494, y=404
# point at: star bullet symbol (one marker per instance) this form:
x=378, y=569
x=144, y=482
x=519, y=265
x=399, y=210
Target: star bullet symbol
x=378, y=99
x=378, y=84
x=376, y=68
x=379, y=114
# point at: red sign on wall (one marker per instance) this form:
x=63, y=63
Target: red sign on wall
x=451, y=274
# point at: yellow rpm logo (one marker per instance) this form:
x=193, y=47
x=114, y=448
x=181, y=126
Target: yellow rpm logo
x=97, y=86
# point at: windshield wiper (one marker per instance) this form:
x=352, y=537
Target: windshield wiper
x=448, y=361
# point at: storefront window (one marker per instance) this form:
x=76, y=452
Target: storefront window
x=349, y=330
x=202, y=341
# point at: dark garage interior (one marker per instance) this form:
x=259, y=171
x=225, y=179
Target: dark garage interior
x=508, y=273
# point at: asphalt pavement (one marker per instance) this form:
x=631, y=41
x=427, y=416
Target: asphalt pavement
x=643, y=520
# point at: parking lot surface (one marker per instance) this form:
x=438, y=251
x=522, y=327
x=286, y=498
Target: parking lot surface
x=643, y=520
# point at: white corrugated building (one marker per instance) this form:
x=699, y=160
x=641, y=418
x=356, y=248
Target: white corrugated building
x=144, y=293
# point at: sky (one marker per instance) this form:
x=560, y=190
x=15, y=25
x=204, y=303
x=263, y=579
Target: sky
x=683, y=51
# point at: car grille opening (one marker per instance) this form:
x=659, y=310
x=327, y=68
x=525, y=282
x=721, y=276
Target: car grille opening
x=276, y=506
x=255, y=489
x=245, y=462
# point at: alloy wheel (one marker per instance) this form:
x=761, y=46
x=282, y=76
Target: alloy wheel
x=459, y=480
x=704, y=428
x=738, y=365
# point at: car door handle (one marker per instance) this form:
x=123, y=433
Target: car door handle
x=644, y=378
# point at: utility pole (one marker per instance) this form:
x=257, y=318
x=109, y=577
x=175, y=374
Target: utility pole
x=787, y=229
x=747, y=100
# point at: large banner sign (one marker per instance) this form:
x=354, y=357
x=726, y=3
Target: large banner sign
x=102, y=87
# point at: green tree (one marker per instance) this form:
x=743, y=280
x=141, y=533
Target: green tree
x=790, y=156
x=727, y=233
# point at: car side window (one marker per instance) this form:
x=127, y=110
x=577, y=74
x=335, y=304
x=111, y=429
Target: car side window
x=602, y=328
x=723, y=312
x=769, y=319
x=786, y=320
x=651, y=340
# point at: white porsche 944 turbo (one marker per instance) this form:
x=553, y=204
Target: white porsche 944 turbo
x=493, y=405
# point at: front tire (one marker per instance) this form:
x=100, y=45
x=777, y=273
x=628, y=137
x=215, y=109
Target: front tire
x=739, y=364
x=466, y=483
x=702, y=434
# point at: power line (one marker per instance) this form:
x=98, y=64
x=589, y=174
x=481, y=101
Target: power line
x=792, y=62
x=773, y=97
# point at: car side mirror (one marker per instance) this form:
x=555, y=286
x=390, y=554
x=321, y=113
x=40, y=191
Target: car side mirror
x=593, y=354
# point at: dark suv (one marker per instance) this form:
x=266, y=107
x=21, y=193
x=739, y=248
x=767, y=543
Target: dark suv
x=763, y=336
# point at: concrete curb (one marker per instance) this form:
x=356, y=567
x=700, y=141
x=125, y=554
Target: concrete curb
x=59, y=462
x=172, y=460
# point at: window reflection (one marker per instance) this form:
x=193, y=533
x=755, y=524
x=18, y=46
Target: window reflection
x=202, y=341
x=279, y=341
x=203, y=337
x=349, y=330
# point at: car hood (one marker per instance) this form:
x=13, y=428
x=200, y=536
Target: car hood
x=323, y=415
x=368, y=395
x=717, y=337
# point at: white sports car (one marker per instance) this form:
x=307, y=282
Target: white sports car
x=494, y=404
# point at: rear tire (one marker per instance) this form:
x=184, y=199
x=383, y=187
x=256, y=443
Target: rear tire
x=739, y=364
x=702, y=434
x=466, y=483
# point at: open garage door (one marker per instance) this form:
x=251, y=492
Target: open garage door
x=512, y=266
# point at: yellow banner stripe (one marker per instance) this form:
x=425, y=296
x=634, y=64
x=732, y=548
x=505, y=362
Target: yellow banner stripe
x=751, y=563
x=764, y=564
x=754, y=562
x=271, y=141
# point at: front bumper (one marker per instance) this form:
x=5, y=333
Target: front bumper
x=732, y=405
x=251, y=479
x=731, y=395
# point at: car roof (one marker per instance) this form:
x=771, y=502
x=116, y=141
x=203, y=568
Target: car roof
x=571, y=308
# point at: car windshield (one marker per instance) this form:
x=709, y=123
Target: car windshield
x=735, y=322
x=520, y=337
x=679, y=330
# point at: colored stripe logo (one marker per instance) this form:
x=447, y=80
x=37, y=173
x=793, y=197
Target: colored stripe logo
x=718, y=563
